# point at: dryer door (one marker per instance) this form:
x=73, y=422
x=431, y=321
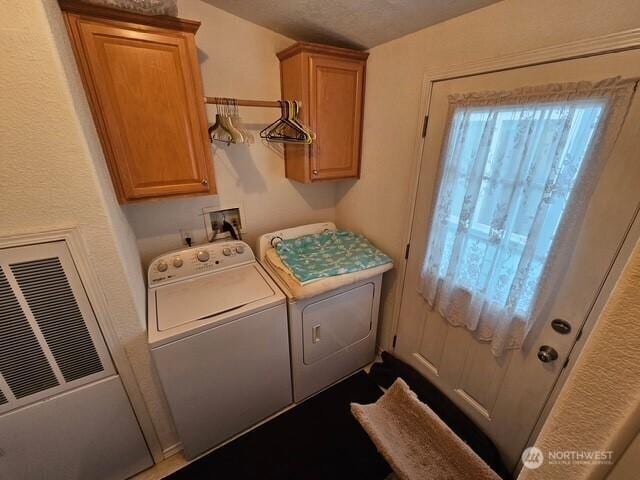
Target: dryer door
x=335, y=323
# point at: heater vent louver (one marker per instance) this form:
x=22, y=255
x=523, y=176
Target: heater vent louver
x=50, y=341
x=51, y=300
x=23, y=364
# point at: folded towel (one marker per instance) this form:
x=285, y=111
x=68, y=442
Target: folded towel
x=329, y=254
x=318, y=286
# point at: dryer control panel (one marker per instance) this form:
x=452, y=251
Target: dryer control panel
x=198, y=260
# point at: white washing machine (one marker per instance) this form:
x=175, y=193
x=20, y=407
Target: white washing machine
x=332, y=322
x=218, y=333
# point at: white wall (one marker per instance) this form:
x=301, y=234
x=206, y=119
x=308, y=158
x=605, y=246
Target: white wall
x=53, y=174
x=378, y=204
x=238, y=59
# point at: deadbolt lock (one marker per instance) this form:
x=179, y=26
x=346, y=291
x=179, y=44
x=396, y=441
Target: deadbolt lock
x=561, y=326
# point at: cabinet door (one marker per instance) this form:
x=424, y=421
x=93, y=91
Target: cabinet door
x=146, y=96
x=336, y=91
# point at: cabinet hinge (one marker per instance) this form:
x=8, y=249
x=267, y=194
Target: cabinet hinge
x=424, y=126
x=395, y=339
x=406, y=251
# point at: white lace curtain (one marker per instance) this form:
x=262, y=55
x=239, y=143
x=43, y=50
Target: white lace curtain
x=516, y=174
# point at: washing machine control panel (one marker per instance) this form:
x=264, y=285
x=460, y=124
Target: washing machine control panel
x=198, y=260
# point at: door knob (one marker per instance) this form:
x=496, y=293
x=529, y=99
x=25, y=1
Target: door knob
x=547, y=354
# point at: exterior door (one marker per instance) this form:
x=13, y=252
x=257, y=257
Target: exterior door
x=505, y=395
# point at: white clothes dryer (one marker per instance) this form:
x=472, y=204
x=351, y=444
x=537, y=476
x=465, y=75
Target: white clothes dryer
x=332, y=322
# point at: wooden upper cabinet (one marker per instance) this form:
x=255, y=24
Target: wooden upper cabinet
x=143, y=82
x=330, y=83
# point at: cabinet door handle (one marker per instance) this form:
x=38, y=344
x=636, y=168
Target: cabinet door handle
x=315, y=334
x=315, y=172
x=204, y=181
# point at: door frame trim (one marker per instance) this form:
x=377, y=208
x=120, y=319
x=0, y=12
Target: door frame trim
x=600, y=45
x=91, y=284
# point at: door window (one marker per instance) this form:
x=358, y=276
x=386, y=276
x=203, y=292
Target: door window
x=509, y=168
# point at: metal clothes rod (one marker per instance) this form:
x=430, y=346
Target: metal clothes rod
x=242, y=103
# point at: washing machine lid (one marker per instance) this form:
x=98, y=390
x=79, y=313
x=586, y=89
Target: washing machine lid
x=204, y=297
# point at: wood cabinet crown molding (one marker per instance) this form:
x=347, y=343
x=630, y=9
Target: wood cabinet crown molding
x=318, y=48
x=159, y=21
x=329, y=81
x=142, y=80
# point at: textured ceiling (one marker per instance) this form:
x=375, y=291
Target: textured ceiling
x=347, y=23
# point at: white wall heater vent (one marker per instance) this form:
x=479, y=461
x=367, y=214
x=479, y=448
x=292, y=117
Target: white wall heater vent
x=49, y=338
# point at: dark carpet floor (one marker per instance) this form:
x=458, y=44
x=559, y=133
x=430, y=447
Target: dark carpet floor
x=317, y=440
x=320, y=439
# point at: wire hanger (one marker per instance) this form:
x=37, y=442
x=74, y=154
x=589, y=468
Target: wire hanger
x=294, y=111
x=288, y=129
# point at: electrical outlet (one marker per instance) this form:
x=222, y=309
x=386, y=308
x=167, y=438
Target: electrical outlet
x=186, y=234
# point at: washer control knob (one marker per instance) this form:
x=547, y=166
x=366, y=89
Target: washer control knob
x=226, y=251
x=177, y=262
x=240, y=249
x=162, y=266
x=203, y=255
